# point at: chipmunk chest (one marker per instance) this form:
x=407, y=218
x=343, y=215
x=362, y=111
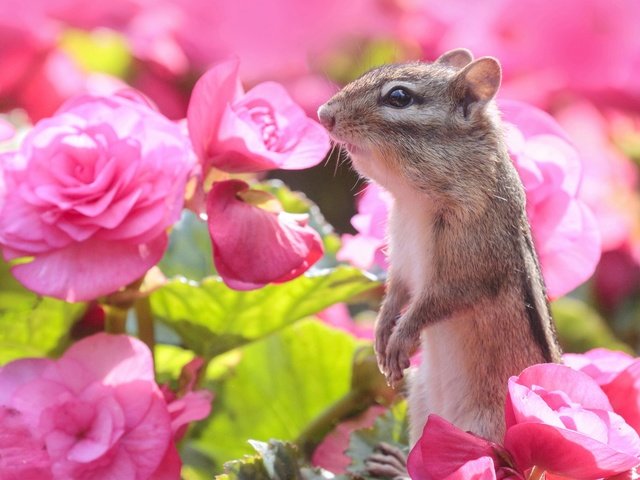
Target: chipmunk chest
x=411, y=243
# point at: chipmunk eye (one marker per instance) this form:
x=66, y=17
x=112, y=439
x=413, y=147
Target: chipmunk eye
x=398, y=97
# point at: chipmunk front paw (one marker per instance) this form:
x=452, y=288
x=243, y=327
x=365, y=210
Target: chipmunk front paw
x=397, y=356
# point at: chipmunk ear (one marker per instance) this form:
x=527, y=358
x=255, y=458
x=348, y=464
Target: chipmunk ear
x=457, y=58
x=476, y=84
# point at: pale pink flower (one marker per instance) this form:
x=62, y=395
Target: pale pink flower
x=565, y=233
x=90, y=195
x=618, y=374
x=7, y=131
x=561, y=421
x=253, y=246
x=94, y=413
x=338, y=316
x=261, y=129
x=367, y=247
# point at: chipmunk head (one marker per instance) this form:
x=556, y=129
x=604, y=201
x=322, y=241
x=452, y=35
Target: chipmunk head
x=409, y=119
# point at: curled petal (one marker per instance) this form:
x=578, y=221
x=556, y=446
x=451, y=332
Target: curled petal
x=624, y=394
x=253, y=247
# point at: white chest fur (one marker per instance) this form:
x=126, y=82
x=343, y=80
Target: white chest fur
x=411, y=240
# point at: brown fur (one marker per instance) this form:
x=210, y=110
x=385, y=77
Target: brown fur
x=446, y=154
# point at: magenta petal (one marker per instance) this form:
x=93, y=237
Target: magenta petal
x=253, y=247
x=624, y=394
x=169, y=468
x=216, y=89
x=480, y=469
x=113, y=359
x=565, y=452
x=87, y=270
x=7, y=131
x=15, y=374
x=444, y=448
x=601, y=364
x=22, y=455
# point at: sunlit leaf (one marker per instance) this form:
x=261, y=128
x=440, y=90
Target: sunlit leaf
x=280, y=385
x=99, y=50
x=211, y=318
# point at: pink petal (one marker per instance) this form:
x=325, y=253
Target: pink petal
x=601, y=364
x=359, y=250
x=169, y=468
x=87, y=270
x=22, y=455
x=216, y=89
x=113, y=359
x=253, y=247
x=566, y=452
x=7, y=131
x=189, y=408
x=624, y=394
x=480, y=469
x=443, y=449
x=19, y=372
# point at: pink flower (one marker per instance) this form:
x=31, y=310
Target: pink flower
x=253, y=246
x=94, y=413
x=367, y=247
x=259, y=130
x=565, y=233
x=618, y=374
x=338, y=316
x=559, y=420
x=90, y=195
x=444, y=452
x=7, y=131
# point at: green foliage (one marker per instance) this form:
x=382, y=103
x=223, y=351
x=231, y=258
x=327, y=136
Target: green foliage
x=390, y=428
x=279, y=385
x=100, y=50
x=211, y=318
x=30, y=325
x=276, y=460
x=581, y=328
x=169, y=361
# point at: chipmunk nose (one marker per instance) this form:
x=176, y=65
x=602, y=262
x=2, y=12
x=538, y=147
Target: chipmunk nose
x=325, y=117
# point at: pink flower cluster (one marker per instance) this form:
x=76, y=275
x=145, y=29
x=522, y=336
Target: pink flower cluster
x=90, y=194
x=96, y=413
x=565, y=233
x=579, y=422
x=254, y=241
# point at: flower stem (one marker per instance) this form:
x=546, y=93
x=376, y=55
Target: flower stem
x=351, y=404
x=144, y=317
x=536, y=474
x=115, y=319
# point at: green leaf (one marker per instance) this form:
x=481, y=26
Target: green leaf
x=211, y=318
x=278, y=387
x=189, y=252
x=277, y=460
x=580, y=328
x=391, y=428
x=169, y=361
x=30, y=325
x=100, y=50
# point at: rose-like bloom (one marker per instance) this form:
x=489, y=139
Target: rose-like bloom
x=259, y=130
x=94, y=413
x=366, y=248
x=559, y=420
x=565, y=233
x=338, y=316
x=618, y=374
x=253, y=246
x=90, y=195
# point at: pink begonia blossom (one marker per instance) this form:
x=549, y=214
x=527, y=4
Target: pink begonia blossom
x=559, y=420
x=90, y=194
x=94, y=413
x=618, y=374
x=259, y=130
x=253, y=246
x=565, y=234
x=367, y=247
x=544, y=47
x=616, y=278
x=444, y=452
x=7, y=131
x=610, y=179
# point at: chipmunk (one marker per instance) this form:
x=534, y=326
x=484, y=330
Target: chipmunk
x=464, y=277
